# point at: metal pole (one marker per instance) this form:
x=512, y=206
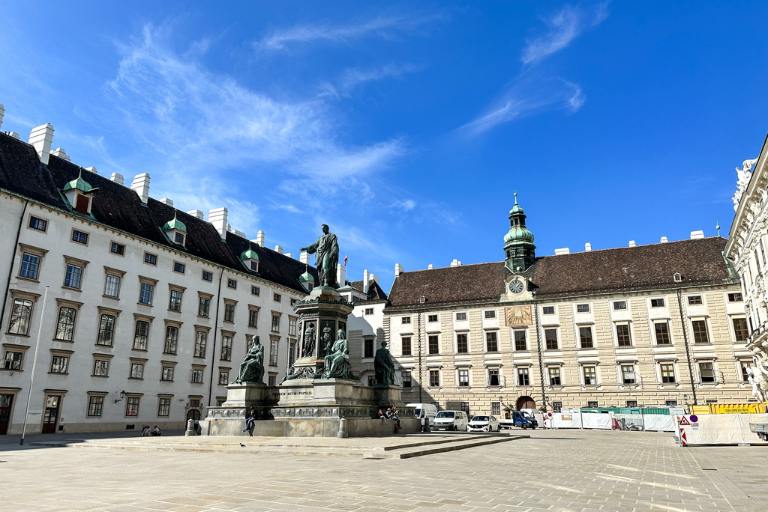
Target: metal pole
x=687, y=348
x=421, y=380
x=541, y=363
x=34, y=364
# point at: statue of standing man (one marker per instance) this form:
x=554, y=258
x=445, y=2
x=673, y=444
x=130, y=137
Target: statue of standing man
x=327, y=249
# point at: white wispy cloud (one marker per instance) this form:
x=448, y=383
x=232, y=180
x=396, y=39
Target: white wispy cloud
x=353, y=78
x=563, y=27
x=381, y=26
x=528, y=94
x=405, y=205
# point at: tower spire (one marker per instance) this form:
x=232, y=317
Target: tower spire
x=519, y=249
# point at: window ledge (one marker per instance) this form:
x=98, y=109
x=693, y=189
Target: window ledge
x=30, y=279
x=71, y=288
x=113, y=297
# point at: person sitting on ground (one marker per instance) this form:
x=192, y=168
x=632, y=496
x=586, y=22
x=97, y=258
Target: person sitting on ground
x=156, y=431
x=145, y=431
x=380, y=415
x=250, y=423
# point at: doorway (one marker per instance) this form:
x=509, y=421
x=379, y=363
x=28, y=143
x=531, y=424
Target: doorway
x=193, y=414
x=51, y=414
x=6, y=406
x=525, y=402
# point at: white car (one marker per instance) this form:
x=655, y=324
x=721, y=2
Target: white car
x=483, y=424
x=450, y=420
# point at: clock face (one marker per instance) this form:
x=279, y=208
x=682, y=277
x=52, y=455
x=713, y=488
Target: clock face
x=517, y=286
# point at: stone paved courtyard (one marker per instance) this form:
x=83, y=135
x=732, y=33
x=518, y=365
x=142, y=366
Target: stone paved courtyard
x=556, y=471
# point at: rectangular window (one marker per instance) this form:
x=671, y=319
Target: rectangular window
x=735, y=297
x=744, y=366
x=171, y=340
x=462, y=343
x=116, y=248
x=496, y=408
x=150, y=259
x=201, y=342
x=207, y=275
x=146, y=292
x=226, y=348
x=405, y=320
x=548, y=310
x=490, y=314
x=592, y=404
x=106, y=330
x=523, y=377
x=197, y=376
x=132, y=405
x=13, y=360
x=557, y=406
x=174, y=300
x=95, y=405
x=101, y=367
x=740, y=330
x=368, y=311
x=461, y=317
x=37, y=223
x=79, y=237
x=707, y=372
x=275, y=322
x=590, y=375
x=232, y=283
x=179, y=267
x=521, y=341
x=657, y=303
x=550, y=337
x=141, y=335
x=163, y=406
x=274, y=351
x=432, y=318
x=59, y=364
x=628, y=373
x=253, y=317
x=667, y=371
x=30, y=266
x=554, y=376
x=700, y=333
x=662, y=333
x=204, y=306
x=137, y=370
x=229, y=311
x=292, y=325
x=73, y=276
x=368, y=348
x=65, y=324
x=178, y=238
x=623, y=335
x=434, y=343
x=20, y=317
x=277, y=297
x=167, y=374
x=255, y=290
x=631, y=403
x=405, y=344
x=494, y=379
x=491, y=341
x=670, y=403
x=582, y=308
x=223, y=376
x=463, y=377
x=407, y=379
x=585, y=337
x=112, y=286
x=695, y=300
x=620, y=305
x=434, y=378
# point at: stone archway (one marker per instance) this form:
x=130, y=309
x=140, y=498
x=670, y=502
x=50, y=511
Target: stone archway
x=525, y=402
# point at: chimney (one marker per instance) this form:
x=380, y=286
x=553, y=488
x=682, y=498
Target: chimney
x=198, y=214
x=41, y=137
x=218, y=218
x=398, y=269
x=455, y=263
x=117, y=178
x=664, y=240
x=288, y=254
x=695, y=235
x=15, y=135
x=632, y=243
x=366, y=280
x=562, y=250
x=2, y=113
x=587, y=247
x=278, y=249
x=92, y=169
x=140, y=185
x=341, y=274
x=373, y=278
x=303, y=257
x=167, y=200
x=429, y=267
x=260, y=238
x=59, y=152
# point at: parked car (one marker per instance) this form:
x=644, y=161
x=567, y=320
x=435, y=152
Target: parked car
x=520, y=419
x=483, y=424
x=450, y=420
x=428, y=410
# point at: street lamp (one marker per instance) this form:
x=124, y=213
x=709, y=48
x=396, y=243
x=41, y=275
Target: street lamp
x=34, y=364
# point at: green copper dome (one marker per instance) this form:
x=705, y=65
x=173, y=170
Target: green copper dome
x=78, y=184
x=518, y=242
x=249, y=254
x=518, y=234
x=175, y=224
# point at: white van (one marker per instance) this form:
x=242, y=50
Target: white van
x=451, y=420
x=428, y=410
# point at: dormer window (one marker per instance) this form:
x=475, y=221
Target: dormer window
x=250, y=259
x=78, y=193
x=176, y=231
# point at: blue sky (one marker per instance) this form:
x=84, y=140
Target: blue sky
x=405, y=126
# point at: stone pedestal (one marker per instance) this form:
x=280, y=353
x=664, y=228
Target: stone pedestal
x=229, y=417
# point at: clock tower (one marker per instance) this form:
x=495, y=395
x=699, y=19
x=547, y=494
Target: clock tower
x=518, y=242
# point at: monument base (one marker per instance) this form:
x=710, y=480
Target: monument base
x=229, y=418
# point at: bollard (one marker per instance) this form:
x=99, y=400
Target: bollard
x=342, y=428
x=190, y=428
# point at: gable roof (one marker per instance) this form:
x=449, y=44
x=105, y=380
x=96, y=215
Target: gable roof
x=117, y=206
x=375, y=292
x=699, y=261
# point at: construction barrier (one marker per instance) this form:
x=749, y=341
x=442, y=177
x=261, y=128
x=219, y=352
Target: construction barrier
x=742, y=408
x=718, y=429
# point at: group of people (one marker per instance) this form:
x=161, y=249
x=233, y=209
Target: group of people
x=390, y=414
x=154, y=431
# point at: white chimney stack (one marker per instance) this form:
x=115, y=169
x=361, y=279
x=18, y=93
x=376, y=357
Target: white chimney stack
x=260, y=238
x=167, y=200
x=562, y=250
x=218, y=218
x=41, y=138
x=455, y=263
x=303, y=257
x=695, y=235
x=632, y=243
x=92, y=169
x=373, y=278
x=59, y=152
x=15, y=135
x=398, y=269
x=664, y=240
x=278, y=249
x=429, y=267
x=117, y=178
x=587, y=247
x=341, y=274
x=140, y=185
x=288, y=254
x=198, y=214
x=2, y=113
x=366, y=280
